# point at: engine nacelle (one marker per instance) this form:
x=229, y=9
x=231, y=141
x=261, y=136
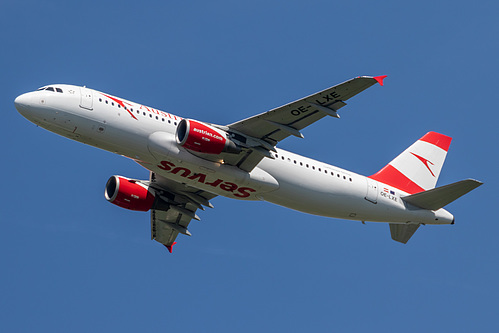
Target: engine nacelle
x=203, y=138
x=128, y=193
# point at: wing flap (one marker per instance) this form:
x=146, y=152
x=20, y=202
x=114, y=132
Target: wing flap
x=177, y=210
x=160, y=231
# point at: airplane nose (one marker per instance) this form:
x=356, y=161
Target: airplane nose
x=22, y=102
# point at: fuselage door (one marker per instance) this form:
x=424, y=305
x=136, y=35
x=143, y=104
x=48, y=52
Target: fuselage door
x=372, y=190
x=86, y=99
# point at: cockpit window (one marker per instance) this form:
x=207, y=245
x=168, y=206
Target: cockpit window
x=59, y=90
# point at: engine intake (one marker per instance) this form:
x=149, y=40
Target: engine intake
x=128, y=193
x=203, y=138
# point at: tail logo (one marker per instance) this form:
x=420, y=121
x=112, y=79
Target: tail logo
x=425, y=162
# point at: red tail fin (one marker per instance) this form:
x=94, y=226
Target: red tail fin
x=418, y=167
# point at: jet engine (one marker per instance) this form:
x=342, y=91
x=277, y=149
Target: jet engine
x=203, y=138
x=128, y=193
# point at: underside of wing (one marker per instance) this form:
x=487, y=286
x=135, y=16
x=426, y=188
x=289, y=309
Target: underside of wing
x=178, y=208
x=289, y=119
x=265, y=130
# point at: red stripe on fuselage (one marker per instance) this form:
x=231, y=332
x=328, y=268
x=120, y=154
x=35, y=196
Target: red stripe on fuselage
x=391, y=176
x=120, y=102
x=437, y=139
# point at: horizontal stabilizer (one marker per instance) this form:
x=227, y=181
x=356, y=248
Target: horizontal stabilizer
x=439, y=197
x=403, y=232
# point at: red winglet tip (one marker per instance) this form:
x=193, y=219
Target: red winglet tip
x=169, y=247
x=380, y=79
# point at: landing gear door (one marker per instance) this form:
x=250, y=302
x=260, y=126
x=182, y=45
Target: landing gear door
x=86, y=99
x=372, y=190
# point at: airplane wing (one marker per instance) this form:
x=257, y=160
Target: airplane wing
x=275, y=125
x=174, y=218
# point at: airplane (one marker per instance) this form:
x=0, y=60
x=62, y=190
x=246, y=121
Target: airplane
x=190, y=162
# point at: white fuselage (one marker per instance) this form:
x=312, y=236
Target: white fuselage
x=147, y=136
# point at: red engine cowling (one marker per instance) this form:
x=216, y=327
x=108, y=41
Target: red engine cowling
x=129, y=194
x=202, y=138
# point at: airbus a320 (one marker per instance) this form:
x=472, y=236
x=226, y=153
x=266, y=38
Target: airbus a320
x=191, y=162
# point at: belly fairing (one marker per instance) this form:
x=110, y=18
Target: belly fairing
x=176, y=163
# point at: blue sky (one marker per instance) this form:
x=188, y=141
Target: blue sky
x=73, y=262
